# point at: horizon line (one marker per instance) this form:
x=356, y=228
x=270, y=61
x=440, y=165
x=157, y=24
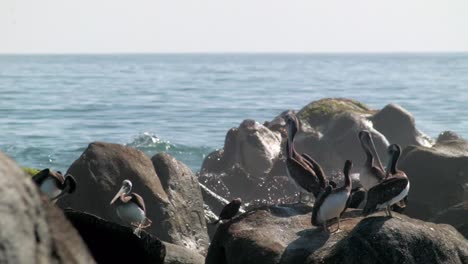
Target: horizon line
x=233, y=53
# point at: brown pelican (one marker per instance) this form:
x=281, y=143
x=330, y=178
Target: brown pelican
x=229, y=211
x=390, y=191
x=304, y=170
x=131, y=207
x=54, y=184
x=332, y=202
x=370, y=175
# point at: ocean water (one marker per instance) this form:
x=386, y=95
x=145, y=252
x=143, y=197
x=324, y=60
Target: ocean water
x=53, y=106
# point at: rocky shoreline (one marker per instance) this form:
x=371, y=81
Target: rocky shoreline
x=251, y=165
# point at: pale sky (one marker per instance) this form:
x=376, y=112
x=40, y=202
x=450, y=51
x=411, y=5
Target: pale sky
x=117, y=26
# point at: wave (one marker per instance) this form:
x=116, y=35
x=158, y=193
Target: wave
x=152, y=144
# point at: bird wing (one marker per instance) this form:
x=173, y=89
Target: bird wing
x=138, y=200
x=40, y=177
x=304, y=176
x=384, y=192
x=317, y=169
x=229, y=211
x=318, y=202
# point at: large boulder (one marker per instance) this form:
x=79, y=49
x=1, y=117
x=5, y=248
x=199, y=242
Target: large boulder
x=181, y=255
x=399, y=126
x=186, y=225
x=32, y=230
x=283, y=234
x=99, y=173
x=456, y=216
x=438, y=176
x=113, y=243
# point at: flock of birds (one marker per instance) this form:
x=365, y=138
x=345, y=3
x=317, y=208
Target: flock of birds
x=381, y=188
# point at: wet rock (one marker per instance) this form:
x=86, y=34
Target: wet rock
x=99, y=173
x=113, y=243
x=438, y=176
x=32, y=229
x=399, y=126
x=180, y=255
x=283, y=234
x=186, y=225
x=456, y=216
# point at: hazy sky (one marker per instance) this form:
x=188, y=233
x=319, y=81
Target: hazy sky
x=89, y=26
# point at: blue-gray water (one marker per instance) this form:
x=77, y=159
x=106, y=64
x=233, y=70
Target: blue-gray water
x=53, y=106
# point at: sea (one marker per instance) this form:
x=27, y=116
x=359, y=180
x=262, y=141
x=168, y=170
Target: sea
x=53, y=106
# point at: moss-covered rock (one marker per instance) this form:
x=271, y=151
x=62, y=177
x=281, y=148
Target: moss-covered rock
x=321, y=111
x=31, y=171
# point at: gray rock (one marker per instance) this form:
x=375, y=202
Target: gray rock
x=186, y=225
x=181, y=255
x=283, y=234
x=33, y=230
x=438, y=177
x=99, y=173
x=399, y=126
x=456, y=216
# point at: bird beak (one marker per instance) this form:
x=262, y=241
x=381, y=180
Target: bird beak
x=119, y=193
x=61, y=194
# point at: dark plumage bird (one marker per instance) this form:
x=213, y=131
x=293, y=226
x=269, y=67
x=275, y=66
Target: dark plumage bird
x=303, y=169
x=131, y=207
x=357, y=196
x=370, y=175
x=390, y=191
x=229, y=211
x=54, y=184
x=332, y=202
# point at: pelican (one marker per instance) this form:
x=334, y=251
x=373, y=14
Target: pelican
x=54, y=184
x=332, y=202
x=370, y=175
x=305, y=171
x=131, y=207
x=229, y=211
x=392, y=189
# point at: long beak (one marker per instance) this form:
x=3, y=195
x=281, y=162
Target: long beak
x=61, y=194
x=374, y=152
x=119, y=193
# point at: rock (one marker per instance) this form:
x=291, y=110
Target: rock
x=186, y=225
x=456, y=216
x=438, y=176
x=32, y=229
x=398, y=125
x=283, y=234
x=384, y=240
x=113, y=243
x=99, y=173
x=180, y=255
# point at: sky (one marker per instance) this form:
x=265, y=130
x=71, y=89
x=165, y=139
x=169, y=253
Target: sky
x=172, y=26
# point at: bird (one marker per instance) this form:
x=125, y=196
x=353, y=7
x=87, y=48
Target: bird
x=303, y=169
x=392, y=189
x=332, y=202
x=54, y=184
x=370, y=175
x=130, y=207
x=229, y=210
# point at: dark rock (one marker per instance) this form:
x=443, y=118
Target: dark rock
x=33, y=230
x=398, y=125
x=438, y=176
x=99, y=173
x=112, y=243
x=456, y=216
x=384, y=240
x=180, y=255
x=186, y=225
x=283, y=234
